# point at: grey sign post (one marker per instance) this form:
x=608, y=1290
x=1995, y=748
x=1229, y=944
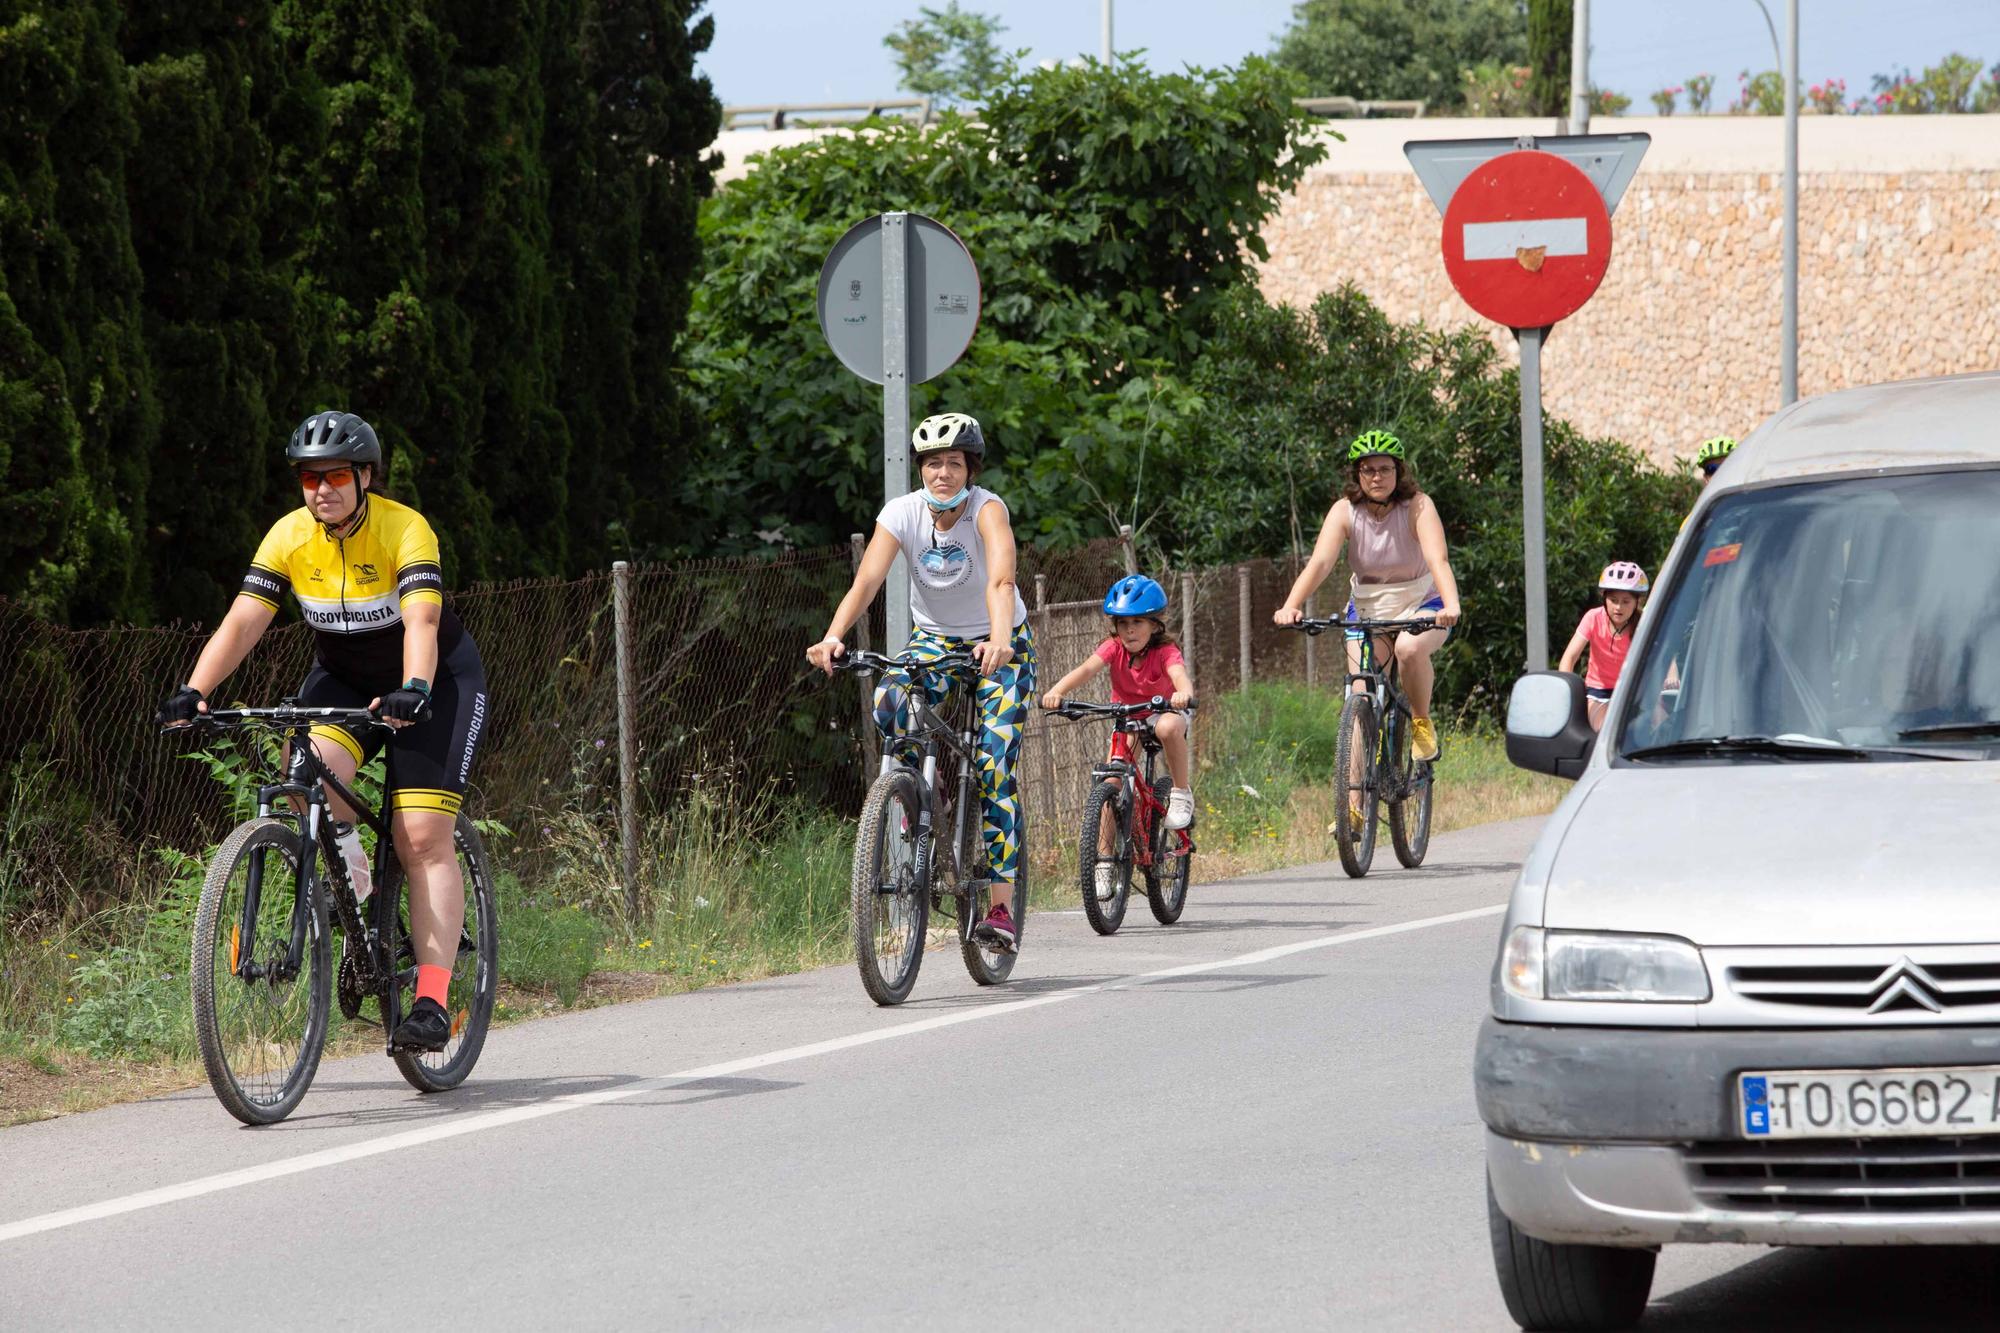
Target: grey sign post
x=1609, y=161
x=898, y=304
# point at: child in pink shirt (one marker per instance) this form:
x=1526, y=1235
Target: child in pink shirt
x=1145, y=664
x=1606, y=631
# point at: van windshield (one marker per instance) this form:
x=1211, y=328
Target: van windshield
x=1854, y=613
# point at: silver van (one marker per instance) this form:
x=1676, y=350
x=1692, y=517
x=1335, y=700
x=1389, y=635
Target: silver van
x=1748, y=985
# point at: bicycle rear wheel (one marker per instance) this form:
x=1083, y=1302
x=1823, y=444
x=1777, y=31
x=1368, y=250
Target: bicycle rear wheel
x=259, y=1014
x=1105, y=917
x=1410, y=816
x=1354, y=785
x=1167, y=877
x=474, y=970
x=889, y=901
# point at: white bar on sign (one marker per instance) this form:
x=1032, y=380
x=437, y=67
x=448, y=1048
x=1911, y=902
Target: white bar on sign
x=1499, y=240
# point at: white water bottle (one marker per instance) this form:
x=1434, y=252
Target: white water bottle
x=348, y=839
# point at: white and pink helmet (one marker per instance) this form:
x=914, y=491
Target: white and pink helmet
x=1623, y=576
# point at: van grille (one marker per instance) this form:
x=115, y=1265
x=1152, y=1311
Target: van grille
x=1848, y=1176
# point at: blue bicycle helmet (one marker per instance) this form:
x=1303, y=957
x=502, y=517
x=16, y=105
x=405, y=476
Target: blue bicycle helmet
x=1135, y=595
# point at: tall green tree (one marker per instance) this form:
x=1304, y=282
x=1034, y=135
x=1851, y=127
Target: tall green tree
x=78, y=420
x=949, y=54
x=225, y=330
x=1551, y=37
x=1400, y=49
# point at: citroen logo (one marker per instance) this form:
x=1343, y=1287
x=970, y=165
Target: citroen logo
x=1904, y=983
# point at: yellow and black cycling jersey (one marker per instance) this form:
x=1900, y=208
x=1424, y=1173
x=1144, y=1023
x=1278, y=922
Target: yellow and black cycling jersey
x=352, y=589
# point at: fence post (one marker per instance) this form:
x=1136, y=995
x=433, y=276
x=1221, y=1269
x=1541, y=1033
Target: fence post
x=1312, y=675
x=1243, y=624
x=1187, y=621
x=857, y=546
x=1044, y=729
x=1125, y=542
x=628, y=736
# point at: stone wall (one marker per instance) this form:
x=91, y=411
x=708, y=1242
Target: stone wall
x=1899, y=224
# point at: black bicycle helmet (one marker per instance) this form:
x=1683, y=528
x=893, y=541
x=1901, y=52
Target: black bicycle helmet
x=334, y=437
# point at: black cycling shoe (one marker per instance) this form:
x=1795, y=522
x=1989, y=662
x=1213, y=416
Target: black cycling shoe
x=428, y=1028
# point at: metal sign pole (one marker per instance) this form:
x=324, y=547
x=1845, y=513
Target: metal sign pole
x=1788, y=357
x=1534, y=524
x=896, y=406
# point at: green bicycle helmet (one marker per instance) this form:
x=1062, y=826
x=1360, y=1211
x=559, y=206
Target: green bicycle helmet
x=1368, y=444
x=1715, y=450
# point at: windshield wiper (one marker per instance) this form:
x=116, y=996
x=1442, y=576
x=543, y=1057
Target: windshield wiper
x=1773, y=747
x=1967, y=730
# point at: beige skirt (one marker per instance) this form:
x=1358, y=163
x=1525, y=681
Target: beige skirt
x=1391, y=601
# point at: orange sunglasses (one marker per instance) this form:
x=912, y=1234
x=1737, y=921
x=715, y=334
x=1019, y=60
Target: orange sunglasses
x=333, y=476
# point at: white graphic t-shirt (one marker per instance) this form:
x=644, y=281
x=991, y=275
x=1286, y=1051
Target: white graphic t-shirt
x=947, y=569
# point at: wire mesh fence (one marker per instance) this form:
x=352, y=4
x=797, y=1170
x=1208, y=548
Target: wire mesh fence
x=720, y=695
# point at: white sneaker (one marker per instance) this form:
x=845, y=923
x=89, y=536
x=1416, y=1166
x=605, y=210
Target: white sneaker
x=1107, y=881
x=1180, y=808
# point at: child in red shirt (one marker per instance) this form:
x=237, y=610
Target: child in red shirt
x=1606, y=631
x=1145, y=663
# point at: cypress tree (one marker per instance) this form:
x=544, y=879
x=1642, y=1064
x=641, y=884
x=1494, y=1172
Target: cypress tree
x=77, y=416
x=1550, y=36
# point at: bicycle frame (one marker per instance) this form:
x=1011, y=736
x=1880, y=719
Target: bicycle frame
x=1133, y=720
x=1383, y=685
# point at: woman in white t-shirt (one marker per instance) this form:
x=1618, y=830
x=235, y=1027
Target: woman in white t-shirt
x=959, y=543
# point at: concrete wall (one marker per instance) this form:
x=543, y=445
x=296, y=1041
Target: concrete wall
x=1899, y=224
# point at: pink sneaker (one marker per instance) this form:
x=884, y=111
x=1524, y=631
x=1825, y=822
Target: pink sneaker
x=998, y=926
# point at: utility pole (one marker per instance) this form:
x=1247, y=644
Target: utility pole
x=1579, y=69
x=1105, y=44
x=1788, y=362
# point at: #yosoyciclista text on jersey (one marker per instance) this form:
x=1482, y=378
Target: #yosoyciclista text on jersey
x=352, y=589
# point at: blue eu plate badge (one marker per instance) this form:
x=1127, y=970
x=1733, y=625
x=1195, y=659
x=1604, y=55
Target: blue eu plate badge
x=1756, y=1106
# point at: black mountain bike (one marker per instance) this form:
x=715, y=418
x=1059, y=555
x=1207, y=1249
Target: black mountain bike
x=918, y=842
x=262, y=962
x=1137, y=803
x=1372, y=764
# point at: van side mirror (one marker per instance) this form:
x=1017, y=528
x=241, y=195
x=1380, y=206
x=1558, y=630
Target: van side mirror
x=1548, y=727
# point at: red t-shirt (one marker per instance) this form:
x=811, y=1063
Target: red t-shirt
x=1138, y=684
x=1607, y=650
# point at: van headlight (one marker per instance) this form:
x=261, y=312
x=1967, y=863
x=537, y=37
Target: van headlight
x=1539, y=964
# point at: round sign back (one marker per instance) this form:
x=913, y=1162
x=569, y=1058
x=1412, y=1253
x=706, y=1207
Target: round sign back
x=1526, y=239
x=943, y=295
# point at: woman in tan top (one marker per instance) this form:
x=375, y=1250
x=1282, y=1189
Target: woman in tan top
x=1395, y=546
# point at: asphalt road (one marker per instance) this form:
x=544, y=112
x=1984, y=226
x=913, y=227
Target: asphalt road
x=1261, y=1117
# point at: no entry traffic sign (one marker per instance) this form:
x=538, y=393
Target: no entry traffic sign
x=1527, y=239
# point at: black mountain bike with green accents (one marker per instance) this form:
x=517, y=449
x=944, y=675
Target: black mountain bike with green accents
x=262, y=962
x=918, y=842
x=1372, y=765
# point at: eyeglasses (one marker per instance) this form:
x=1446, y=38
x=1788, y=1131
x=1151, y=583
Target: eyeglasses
x=1377, y=469
x=334, y=476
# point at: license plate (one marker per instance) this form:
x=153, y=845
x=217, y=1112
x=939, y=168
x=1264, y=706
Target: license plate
x=1869, y=1103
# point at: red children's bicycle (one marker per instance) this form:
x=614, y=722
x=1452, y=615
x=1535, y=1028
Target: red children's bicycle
x=1125, y=824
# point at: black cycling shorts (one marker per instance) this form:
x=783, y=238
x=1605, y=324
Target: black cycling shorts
x=429, y=761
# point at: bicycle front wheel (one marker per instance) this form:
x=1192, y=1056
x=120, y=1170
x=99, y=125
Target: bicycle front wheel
x=261, y=970
x=988, y=965
x=1410, y=816
x=1105, y=802
x=889, y=899
x=475, y=971
x=1167, y=877
x=1354, y=785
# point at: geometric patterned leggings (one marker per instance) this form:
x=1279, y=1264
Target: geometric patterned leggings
x=1004, y=700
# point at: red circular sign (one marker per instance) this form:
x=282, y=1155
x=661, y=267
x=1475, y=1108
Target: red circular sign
x=1526, y=239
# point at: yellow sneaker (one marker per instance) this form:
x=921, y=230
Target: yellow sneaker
x=1423, y=740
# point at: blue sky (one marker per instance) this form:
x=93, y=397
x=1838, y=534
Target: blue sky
x=831, y=50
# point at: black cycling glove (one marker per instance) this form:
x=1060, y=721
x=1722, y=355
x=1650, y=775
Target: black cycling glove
x=183, y=705
x=405, y=704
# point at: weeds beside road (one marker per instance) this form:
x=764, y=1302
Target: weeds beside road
x=95, y=1010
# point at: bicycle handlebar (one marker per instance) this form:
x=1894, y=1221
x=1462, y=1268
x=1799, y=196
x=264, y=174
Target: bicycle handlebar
x=862, y=662
x=1077, y=709
x=288, y=715
x=1317, y=626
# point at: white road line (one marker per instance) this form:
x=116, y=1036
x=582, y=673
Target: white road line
x=473, y=1124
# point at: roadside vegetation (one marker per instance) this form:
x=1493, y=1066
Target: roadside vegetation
x=736, y=886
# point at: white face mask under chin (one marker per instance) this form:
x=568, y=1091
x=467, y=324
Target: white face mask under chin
x=939, y=506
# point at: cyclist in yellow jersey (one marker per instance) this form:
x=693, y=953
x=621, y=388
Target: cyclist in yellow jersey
x=366, y=575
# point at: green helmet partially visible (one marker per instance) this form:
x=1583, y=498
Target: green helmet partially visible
x=1715, y=450
x=1373, y=442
